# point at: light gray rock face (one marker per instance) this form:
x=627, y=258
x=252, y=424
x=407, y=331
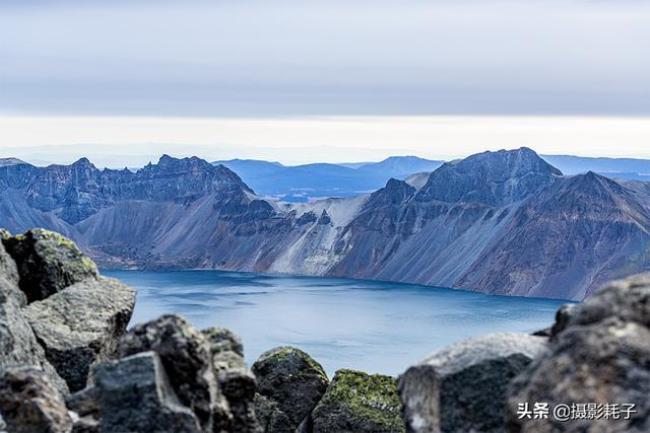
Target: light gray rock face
x=292, y=381
x=463, y=388
x=185, y=355
x=226, y=349
x=47, y=263
x=236, y=382
x=8, y=269
x=86, y=425
x=29, y=403
x=601, y=355
x=135, y=396
x=18, y=344
x=356, y=402
x=80, y=325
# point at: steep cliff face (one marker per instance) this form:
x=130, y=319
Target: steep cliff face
x=568, y=241
x=499, y=222
x=490, y=178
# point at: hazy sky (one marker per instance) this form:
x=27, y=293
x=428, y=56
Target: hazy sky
x=295, y=60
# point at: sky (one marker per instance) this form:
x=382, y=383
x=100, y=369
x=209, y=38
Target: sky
x=305, y=80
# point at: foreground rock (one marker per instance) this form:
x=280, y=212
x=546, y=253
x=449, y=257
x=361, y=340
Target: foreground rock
x=47, y=263
x=135, y=396
x=18, y=344
x=30, y=403
x=290, y=384
x=463, y=388
x=225, y=347
x=600, y=354
x=79, y=325
x=236, y=382
x=360, y=403
x=8, y=269
x=185, y=355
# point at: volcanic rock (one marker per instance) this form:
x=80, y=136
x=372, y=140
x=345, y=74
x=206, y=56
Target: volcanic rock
x=463, y=388
x=80, y=325
x=135, y=396
x=30, y=403
x=599, y=356
x=47, y=263
x=360, y=403
x=292, y=381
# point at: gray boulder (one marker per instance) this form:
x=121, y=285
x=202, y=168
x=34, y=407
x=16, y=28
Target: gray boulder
x=271, y=417
x=47, y=262
x=601, y=355
x=562, y=319
x=293, y=380
x=8, y=269
x=238, y=387
x=226, y=349
x=29, y=403
x=185, y=355
x=356, y=402
x=463, y=388
x=86, y=425
x=80, y=325
x=84, y=403
x=236, y=382
x=135, y=396
x=18, y=344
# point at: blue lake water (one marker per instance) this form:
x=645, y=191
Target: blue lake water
x=372, y=326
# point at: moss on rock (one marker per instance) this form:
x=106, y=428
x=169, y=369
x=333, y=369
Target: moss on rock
x=47, y=262
x=359, y=402
x=4, y=234
x=293, y=381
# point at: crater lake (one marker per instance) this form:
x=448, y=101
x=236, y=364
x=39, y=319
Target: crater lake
x=377, y=327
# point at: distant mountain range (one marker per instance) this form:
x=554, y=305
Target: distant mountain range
x=306, y=182
x=502, y=222
x=316, y=181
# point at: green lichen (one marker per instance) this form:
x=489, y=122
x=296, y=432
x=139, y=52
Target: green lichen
x=369, y=397
x=48, y=262
x=4, y=234
x=58, y=239
x=280, y=354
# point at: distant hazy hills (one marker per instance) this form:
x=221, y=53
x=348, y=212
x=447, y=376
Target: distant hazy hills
x=621, y=168
x=313, y=181
x=502, y=222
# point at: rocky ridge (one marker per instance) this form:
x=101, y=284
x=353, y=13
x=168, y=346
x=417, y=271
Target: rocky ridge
x=501, y=222
x=166, y=376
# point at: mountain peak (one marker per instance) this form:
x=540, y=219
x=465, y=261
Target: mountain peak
x=165, y=158
x=83, y=162
x=593, y=184
x=6, y=162
x=513, y=162
x=492, y=178
x=167, y=162
x=395, y=192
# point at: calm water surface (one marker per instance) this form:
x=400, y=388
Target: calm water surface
x=372, y=326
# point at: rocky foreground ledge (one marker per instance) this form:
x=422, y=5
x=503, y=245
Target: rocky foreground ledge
x=68, y=364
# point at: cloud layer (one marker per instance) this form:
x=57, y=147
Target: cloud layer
x=256, y=58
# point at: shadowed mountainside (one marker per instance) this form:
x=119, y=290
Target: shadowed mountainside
x=501, y=222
